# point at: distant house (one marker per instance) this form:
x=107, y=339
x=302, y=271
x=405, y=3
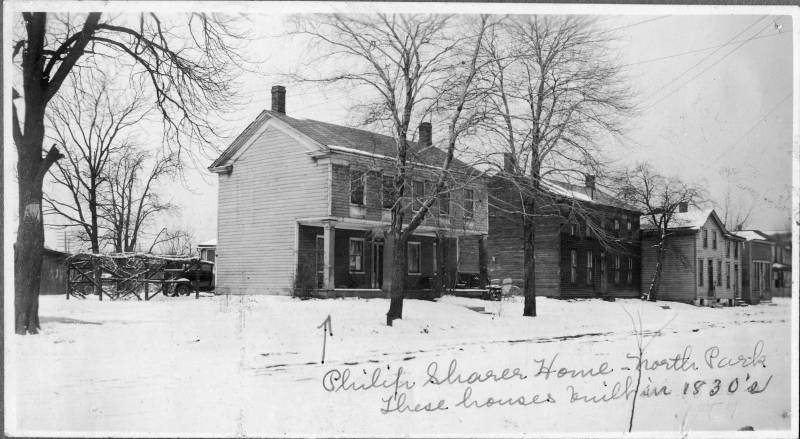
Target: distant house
x=570, y=260
x=703, y=261
x=207, y=250
x=757, y=256
x=53, y=278
x=304, y=205
x=781, y=262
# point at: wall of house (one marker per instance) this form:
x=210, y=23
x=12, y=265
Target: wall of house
x=629, y=262
x=756, y=254
x=374, y=211
x=273, y=183
x=53, y=279
x=719, y=257
x=678, y=275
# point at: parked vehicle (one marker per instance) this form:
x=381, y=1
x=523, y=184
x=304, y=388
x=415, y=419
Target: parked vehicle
x=186, y=274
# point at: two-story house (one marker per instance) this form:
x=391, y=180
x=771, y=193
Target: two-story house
x=572, y=258
x=304, y=205
x=781, y=262
x=702, y=263
x=758, y=252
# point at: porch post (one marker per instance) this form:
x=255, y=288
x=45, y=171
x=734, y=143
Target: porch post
x=483, y=260
x=388, y=258
x=329, y=237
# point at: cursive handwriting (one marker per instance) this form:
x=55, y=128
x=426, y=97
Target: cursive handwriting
x=548, y=369
x=714, y=360
x=335, y=380
x=454, y=377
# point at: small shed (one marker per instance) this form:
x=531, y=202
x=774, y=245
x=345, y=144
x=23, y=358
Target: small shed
x=53, y=277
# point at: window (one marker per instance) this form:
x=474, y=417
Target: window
x=387, y=192
x=705, y=238
x=700, y=272
x=714, y=241
x=469, y=203
x=589, y=268
x=573, y=229
x=630, y=270
x=616, y=224
x=616, y=269
x=727, y=275
x=719, y=273
x=444, y=203
x=414, y=257
x=588, y=230
x=417, y=193
x=356, y=255
x=727, y=249
x=357, y=193
x=629, y=224
x=319, y=259
x=573, y=270
x=735, y=249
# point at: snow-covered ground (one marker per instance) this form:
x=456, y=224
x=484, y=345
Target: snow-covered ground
x=251, y=365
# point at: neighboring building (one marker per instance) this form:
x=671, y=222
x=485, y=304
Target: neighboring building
x=781, y=262
x=703, y=261
x=303, y=205
x=757, y=256
x=571, y=261
x=207, y=250
x=53, y=278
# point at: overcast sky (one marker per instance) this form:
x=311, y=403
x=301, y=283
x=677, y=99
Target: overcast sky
x=715, y=91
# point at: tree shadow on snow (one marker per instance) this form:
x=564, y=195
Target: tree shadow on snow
x=48, y=319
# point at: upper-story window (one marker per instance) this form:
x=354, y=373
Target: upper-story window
x=444, y=203
x=705, y=238
x=727, y=249
x=573, y=229
x=714, y=240
x=736, y=249
x=616, y=224
x=388, y=196
x=417, y=194
x=469, y=203
x=357, y=192
x=629, y=224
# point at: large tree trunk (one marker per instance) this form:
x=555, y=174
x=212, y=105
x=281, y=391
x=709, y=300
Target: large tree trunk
x=529, y=262
x=398, y=278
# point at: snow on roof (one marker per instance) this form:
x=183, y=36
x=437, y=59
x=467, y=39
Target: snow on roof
x=209, y=243
x=694, y=219
x=751, y=235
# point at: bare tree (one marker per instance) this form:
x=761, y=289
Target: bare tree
x=413, y=65
x=132, y=199
x=555, y=90
x=659, y=198
x=175, y=242
x=90, y=123
x=189, y=68
x=736, y=209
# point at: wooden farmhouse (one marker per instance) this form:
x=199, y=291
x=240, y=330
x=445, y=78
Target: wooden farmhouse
x=781, y=262
x=573, y=259
x=303, y=206
x=703, y=260
x=757, y=260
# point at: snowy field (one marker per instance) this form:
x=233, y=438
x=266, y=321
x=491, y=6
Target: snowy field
x=251, y=366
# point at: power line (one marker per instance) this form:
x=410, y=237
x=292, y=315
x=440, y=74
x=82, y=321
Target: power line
x=638, y=23
x=673, y=80
x=708, y=68
x=700, y=50
x=760, y=119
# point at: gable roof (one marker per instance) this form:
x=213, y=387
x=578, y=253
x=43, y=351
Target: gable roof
x=691, y=220
x=341, y=138
x=582, y=193
x=752, y=235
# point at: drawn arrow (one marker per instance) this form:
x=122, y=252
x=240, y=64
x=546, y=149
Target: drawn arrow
x=327, y=328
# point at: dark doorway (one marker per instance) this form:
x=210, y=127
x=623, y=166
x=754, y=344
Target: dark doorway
x=710, y=278
x=377, y=265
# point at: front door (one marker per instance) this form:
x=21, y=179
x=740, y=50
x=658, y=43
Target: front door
x=603, y=277
x=319, y=260
x=377, y=265
x=710, y=278
x=736, y=293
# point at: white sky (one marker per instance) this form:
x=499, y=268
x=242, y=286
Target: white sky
x=721, y=107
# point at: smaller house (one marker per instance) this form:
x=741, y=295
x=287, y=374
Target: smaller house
x=757, y=255
x=781, y=262
x=702, y=263
x=53, y=278
x=207, y=250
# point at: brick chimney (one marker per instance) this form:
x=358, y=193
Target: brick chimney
x=683, y=207
x=590, y=184
x=425, y=134
x=279, y=99
x=509, y=163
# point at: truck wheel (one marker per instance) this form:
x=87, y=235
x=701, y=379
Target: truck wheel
x=183, y=290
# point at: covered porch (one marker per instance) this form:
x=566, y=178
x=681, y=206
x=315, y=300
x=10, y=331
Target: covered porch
x=348, y=258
